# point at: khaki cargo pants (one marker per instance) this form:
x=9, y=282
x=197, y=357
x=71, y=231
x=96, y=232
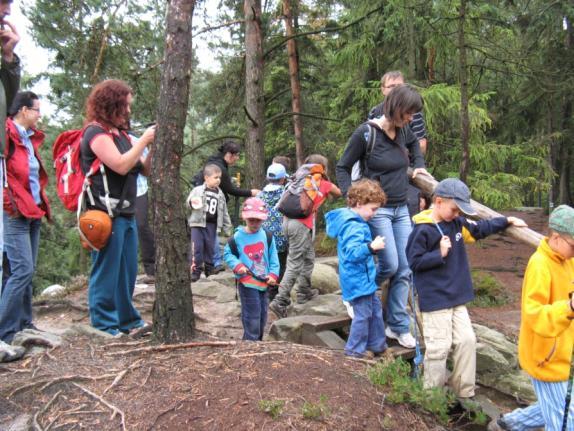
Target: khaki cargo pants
x=443, y=330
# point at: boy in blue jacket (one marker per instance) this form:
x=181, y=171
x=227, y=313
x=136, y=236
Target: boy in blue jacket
x=437, y=257
x=355, y=250
x=256, y=266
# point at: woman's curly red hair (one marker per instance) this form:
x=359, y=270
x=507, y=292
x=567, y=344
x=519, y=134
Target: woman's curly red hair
x=108, y=103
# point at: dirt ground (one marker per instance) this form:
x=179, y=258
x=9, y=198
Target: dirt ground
x=505, y=258
x=218, y=384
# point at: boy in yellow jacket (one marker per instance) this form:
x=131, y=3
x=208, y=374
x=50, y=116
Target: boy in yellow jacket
x=547, y=329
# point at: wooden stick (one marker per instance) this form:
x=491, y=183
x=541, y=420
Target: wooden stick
x=113, y=408
x=47, y=383
x=166, y=347
x=42, y=410
x=427, y=184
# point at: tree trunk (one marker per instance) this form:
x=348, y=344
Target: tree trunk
x=295, y=84
x=463, y=76
x=173, y=307
x=254, y=101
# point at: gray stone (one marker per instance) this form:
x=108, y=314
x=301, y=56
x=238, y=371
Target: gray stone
x=22, y=422
x=53, y=290
x=516, y=384
x=498, y=341
x=206, y=288
x=490, y=360
x=10, y=353
x=226, y=294
x=322, y=305
x=328, y=339
x=325, y=278
x=32, y=337
x=291, y=328
x=82, y=329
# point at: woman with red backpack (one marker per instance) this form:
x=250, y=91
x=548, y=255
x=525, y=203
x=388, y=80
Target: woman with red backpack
x=25, y=204
x=114, y=266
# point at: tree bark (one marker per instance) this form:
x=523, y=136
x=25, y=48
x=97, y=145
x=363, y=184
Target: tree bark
x=427, y=184
x=254, y=98
x=463, y=76
x=294, y=79
x=173, y=307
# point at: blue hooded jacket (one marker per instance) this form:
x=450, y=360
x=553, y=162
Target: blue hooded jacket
x=356, y=264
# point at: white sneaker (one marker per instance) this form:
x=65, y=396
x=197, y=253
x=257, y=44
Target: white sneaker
x=405, y=340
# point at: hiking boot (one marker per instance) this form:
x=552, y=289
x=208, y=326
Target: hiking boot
x=209, y=270
x=405, y=340
x=304, y=299
x=218, y=269
x=278, y=310
x=195, y=276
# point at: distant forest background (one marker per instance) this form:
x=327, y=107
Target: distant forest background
x=497, y=78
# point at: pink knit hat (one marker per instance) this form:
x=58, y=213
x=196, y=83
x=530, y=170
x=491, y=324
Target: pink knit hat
x=254, y=208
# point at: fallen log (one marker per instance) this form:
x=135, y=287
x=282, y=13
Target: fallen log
x=427, y=184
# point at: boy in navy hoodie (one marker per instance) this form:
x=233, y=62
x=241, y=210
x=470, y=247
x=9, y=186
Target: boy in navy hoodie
x=355, y=250
x=256, y=267
x=437, y=257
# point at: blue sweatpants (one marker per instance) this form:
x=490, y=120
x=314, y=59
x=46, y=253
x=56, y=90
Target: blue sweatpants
x=367, y=328
x=112, y=280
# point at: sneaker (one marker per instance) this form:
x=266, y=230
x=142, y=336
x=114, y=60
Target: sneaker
x=497, y=425
x=304, y=299
x=405, y=340
x=278, y=310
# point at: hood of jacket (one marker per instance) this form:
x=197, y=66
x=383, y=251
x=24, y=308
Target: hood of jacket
x=336, y=219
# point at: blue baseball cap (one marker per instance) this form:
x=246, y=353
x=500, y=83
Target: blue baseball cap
x=455, y=189
x=276, y=171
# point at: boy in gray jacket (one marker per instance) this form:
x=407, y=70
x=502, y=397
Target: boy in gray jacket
x=208, y=216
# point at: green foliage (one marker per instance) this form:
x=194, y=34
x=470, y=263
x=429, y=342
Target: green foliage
x=273, y=408
x=396, y=376
x=316, y=411
x=488, y=291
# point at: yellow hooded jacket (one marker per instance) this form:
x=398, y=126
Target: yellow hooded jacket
x=546, y=330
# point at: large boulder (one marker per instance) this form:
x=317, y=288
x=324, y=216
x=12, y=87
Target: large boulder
x=305, y=330
x=325, y=278
x=82, y=329
x=10, y=353
x=322, y=305
x=497, y=341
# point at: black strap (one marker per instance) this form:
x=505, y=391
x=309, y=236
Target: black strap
x=370, y=146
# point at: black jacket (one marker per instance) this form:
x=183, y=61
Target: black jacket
x=10, y=80
x=227, y=185
x=387, y=164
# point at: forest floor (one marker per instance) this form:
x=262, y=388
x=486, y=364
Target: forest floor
x=214, y=384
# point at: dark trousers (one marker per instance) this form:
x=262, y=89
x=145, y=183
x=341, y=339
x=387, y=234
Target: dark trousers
x=253, y=312
x=203, y=244
x=145, y=235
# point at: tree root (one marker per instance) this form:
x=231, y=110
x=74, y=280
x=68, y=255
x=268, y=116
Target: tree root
x=121, y=375
x=167, y=347
x=37, y=426
x=48, y=304
x=279, y=352
x=114, y=409
x=51, y=382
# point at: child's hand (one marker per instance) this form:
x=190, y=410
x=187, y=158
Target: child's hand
x=271, y=280
x=445, y=245
x=516, y=222
x=242, y=270
x=378, y=243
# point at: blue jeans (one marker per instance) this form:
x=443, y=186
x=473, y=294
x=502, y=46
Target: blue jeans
x=395, y=225
x=253, y=312
x=367, y=328
x=217, y=259
x=113, y=278
x=22, y=238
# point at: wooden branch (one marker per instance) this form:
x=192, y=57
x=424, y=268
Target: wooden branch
x=167, y=347
x=113, y=408
x=427, y=184
x=48, y=383
x=253, y=122
x=216, y=27
x=323, y=30
x=209, y=141
x=301, y=114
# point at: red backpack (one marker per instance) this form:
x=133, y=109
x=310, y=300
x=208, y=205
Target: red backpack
x=71, y=183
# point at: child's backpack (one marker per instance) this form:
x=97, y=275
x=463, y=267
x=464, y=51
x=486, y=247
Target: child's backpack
x=71, y=183
x=297, y=199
